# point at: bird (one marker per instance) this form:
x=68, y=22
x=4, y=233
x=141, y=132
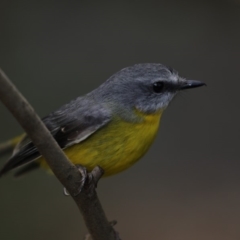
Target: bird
x=112, y=126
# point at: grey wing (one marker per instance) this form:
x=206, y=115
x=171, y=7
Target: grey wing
x=69, y=125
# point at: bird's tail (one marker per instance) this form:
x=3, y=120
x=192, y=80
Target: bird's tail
x=12, y=146
x=8, y=146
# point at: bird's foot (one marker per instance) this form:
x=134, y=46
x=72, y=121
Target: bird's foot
x=88, y=181
x=92, y=179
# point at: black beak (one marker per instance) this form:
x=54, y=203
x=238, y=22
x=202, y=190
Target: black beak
x=191, y=84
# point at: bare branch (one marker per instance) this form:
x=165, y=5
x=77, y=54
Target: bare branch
x=65, y=171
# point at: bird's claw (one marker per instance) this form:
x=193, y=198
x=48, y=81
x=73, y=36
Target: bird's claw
x=88, y=180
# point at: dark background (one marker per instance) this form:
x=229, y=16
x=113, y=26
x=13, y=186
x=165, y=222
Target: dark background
x=187, y=186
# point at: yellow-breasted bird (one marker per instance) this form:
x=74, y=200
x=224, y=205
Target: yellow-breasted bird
x=113, y=126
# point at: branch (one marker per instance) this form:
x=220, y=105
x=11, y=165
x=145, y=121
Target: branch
x=67, y=173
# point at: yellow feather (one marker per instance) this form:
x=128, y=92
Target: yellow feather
x=115, y=147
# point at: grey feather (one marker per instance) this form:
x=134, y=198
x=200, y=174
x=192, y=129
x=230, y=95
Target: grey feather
x=71, y=124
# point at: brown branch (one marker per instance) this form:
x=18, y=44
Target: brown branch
x=70, y=177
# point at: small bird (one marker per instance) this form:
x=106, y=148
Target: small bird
x=113, y=126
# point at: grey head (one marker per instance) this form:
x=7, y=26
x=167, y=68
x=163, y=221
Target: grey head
x=147, y=87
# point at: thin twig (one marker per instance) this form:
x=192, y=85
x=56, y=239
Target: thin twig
x=64, y=170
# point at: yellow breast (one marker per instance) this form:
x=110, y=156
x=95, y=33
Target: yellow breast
x=116, y=146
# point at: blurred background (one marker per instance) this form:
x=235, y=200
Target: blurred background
x=187, y=186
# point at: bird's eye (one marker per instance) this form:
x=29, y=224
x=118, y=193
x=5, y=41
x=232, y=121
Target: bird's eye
x=158, y=87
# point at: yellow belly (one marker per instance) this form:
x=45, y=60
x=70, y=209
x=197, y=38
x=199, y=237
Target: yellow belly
x=116, y=146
